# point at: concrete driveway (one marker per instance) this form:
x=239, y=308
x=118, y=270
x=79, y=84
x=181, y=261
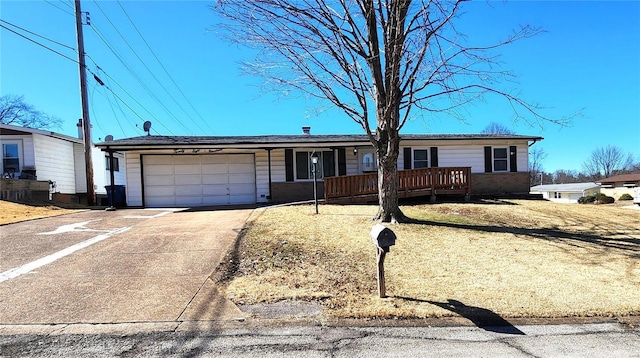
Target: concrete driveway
x=132, y=265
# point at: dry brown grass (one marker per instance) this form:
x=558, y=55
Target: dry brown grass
x=514, y=258
x=11, y=212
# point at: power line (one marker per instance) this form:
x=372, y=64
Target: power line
x=152, y=73
x=137, y=77
x=162, y=66
x=59, y=8
x=131, y=71
x=39, y=44
x=134, y=99
x=69, y=4
x=35, y=34
x=86, y=68
x=134, y=112
x=144, y=64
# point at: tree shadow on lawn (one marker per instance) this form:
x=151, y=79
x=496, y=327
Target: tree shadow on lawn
x=630, y=245
x=481, y=317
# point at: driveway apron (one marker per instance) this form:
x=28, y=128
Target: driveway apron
x=132, y=265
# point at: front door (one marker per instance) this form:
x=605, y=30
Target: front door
x=367, y=162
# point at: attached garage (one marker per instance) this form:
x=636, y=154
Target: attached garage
x=198, y=180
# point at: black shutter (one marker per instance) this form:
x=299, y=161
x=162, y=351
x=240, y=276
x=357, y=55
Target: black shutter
x=407, y=158
x=513, y=157
x=488, y=168
x=434, y=157
x=288, y=164
x=342, y=161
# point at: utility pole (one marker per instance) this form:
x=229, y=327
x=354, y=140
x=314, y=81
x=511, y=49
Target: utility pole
x=86, y=123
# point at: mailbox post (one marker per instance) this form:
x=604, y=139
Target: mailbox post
x=383, y=238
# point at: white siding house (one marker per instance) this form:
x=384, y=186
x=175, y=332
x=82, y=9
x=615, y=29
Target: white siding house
x=53, y=157
x=566, y=193
x=201, y=171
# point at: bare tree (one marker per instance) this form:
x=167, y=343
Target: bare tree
x=15, y=111
x=376, y=60
x=606, y=161
x=536, y=156
x=496, y=128
x=562, y=176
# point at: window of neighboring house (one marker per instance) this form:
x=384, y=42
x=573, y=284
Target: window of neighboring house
x=326, y=166
x=116, y=164
x=10, y=159
x=500, y=159
x=557, y=195
x=420, y=158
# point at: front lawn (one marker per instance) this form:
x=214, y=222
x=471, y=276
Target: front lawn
x=514, y=258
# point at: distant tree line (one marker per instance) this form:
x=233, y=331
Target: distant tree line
x=603, y=162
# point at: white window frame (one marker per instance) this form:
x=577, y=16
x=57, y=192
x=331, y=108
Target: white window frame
x=494, y=159
x=20, y=158
x=413, y=157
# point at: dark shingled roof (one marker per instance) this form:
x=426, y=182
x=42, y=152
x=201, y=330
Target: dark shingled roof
x=627, y=178
x=267, y=140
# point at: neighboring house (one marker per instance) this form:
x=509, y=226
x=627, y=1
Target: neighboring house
x=565, y=193
x=29, y=153
x=200, y=171
x=618, y=185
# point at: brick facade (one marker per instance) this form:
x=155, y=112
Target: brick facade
x=295, y=191
x=24, y=189
x=499, y=183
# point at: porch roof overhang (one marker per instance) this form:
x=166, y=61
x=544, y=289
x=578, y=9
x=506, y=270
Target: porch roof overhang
x=155, y=142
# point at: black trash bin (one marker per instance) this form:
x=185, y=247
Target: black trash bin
x=119, y=197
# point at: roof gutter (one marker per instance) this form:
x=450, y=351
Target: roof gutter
x=218, y=147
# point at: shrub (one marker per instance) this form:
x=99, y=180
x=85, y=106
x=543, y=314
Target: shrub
x=604, y=199
x=587, y=199
x=625, y=197
x=598, y=199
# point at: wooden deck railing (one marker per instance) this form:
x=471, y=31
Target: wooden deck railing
x=412, y=182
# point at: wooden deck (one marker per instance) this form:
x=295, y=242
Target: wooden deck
x=412, y=182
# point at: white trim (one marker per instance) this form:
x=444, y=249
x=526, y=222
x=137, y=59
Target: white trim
x=19, y=143
x=413, y=156
x=493, y=159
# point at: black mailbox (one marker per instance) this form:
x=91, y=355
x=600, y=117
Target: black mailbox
x=383, y=237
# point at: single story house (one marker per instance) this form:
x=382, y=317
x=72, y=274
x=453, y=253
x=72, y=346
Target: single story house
x=175, y=171
x=45, y=156
x=565, y=193
x=618, y=185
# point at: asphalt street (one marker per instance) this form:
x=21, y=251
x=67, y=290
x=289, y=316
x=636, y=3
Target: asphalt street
x=136, y=283
x=167, y=340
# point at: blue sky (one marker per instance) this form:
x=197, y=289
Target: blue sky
x=588, y=59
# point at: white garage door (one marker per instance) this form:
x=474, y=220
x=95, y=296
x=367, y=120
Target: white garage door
x=199, y=180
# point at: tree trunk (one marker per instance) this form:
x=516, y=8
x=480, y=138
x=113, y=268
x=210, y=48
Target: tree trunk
x=388, y=148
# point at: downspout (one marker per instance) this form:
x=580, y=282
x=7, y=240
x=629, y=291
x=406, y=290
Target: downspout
x=269, y=165
x=112, y=188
